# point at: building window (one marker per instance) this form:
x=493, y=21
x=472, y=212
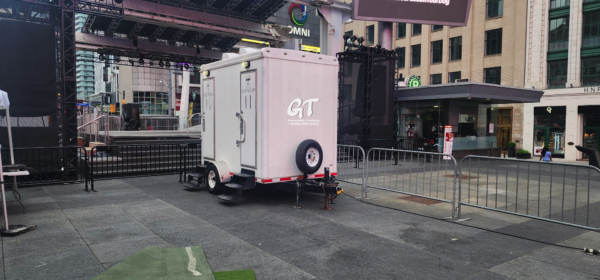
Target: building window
x=437, y=27
x=152, y=103
x=416, y=29
x=436, y=51
x=435, y=79
x=349, y=33
x=491, y=75
x=456, y=48
x=591, y=29
x=559, y=34
x=494, y=8
x=401, y=57
x=493, y=42
x=400, y=30
x=453, y=76
x=590, y=71
x=370, y=34
x=415, y=55
x=559, y=3
x=557, y=74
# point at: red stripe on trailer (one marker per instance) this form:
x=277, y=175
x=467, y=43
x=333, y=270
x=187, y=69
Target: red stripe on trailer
x=285, y=179
x=320, y=176
x=267, y=180
x=255, y=179
x=333, y=174
x=230, y=174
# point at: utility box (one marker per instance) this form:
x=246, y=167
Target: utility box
x=264, y=110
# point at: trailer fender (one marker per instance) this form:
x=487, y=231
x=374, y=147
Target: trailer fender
x=223, y=170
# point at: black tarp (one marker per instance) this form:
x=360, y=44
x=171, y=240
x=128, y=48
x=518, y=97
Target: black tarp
x=28, y=68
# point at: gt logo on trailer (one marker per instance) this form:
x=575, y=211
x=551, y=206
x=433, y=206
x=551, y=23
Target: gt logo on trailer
x=295, y=107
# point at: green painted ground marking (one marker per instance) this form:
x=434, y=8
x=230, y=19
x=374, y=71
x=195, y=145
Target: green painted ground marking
x=235, y=275
x=162, y=263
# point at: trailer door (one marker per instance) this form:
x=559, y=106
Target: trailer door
x=208, y=118
x=248, y=118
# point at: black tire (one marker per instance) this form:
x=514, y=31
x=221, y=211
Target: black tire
x=302, y=156
x=216, y=180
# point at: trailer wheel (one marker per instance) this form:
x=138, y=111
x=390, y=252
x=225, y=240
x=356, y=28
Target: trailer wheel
x=309, y=156
x=213, y=180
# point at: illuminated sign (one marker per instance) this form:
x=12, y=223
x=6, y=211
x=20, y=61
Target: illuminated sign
x=440, y=12
x=298, y=18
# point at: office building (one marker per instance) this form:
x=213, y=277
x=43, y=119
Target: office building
x=490, y=49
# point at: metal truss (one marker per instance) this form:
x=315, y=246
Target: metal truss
x=114, y=24
x=232, y=4
x=100, y=8
x=177, y=36
x=254, y=6
x=272, y=10
x=230, y=45
x=136, y=29
x=69, y=93
x=89, y=22
x=368, y=57
x=197, y=38
x=151, y=61
x=157, y=32
x=214, y=41
x=26, y=11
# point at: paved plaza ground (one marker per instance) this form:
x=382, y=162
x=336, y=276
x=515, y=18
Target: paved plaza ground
x=81, y=234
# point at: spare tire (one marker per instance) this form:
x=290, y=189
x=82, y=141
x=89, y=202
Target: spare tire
x=309, y=156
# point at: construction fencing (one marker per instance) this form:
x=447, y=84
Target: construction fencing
x=561, y=193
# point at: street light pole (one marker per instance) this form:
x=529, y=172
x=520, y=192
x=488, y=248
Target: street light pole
x=163, y=82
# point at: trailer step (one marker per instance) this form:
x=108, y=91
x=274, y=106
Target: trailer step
x=234, y=186
x=226, y=197
x=196, y=175
x=190, y=185
x=243, y=175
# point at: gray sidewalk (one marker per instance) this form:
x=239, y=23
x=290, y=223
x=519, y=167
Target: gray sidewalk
x=81, y=234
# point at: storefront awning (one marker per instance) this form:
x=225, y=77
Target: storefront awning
x=487, y=93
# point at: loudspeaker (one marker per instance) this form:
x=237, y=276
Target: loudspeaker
x=131, y=116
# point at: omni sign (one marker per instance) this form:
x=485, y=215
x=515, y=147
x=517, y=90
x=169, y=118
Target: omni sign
x=299, y=17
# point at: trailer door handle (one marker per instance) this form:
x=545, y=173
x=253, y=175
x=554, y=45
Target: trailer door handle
x=242, y=129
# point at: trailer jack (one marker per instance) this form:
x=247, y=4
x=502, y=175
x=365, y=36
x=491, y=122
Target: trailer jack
x=330, y=197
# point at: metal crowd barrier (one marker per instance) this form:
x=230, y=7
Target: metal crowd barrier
x=47, y=165
x=555, y=192
x=422, y=174
x=348, y=165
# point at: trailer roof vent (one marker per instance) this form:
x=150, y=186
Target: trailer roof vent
x=247, y=50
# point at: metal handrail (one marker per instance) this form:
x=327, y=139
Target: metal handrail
x=91, y=122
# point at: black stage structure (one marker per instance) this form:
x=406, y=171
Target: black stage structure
x=175, y=32
x=367, y=111
x=188, y=31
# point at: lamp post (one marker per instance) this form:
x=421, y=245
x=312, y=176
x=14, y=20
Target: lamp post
x=169, y=85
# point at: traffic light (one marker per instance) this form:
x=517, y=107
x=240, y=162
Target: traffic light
x=107, y=99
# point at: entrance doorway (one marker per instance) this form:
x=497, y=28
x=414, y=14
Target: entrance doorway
x=590, y=138
x=504, y=128
x=553, y=138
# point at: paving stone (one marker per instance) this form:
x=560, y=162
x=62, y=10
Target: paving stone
x=528, y=268
x=15, y=207
x=322, y=260
x=114, y=252
x=268, y=267
x=280, y=240
x=542, y=231
x=569, y=258
x=488, y=275
x=473, y=253
x=49, y=263
x=178, y=224
x=231, y=251
x=102, y=221
x=44, y=228
x=41, y=244
x=196, y=236
x=94, y=211
x=114, y=233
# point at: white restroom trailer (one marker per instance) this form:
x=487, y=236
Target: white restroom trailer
x=269, y=119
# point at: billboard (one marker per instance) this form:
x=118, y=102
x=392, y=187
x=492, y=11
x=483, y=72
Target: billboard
x=440, y=12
